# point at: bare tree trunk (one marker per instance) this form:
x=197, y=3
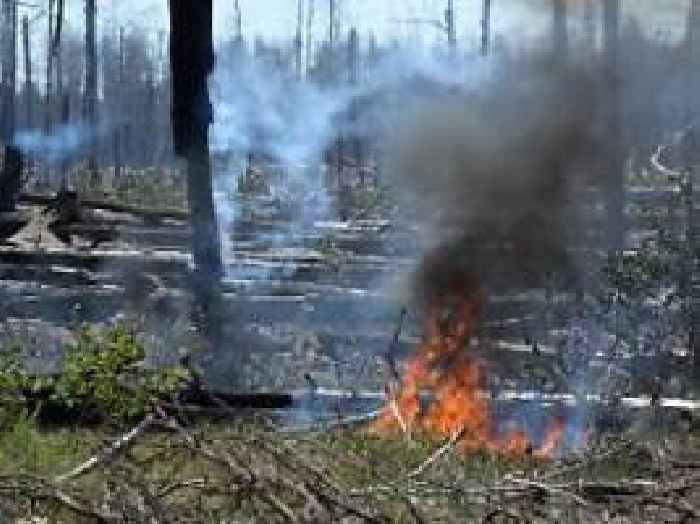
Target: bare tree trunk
x=91, y=87
x=28, y=87
x=9, y=69
x=615, y=178
x=589, y=25
x=299, y=40
x=65, y=119
x=49, y=70
x=560, y=33
x=353, y=77
x=64, y=103
x=119, y=126
x=693, y=292
x=11, y=174
x=309, y=29
x=451, y=29
x=486, y=28
x=192, y=60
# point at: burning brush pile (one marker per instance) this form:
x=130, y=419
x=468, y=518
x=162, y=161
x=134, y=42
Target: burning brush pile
x=490, y=178
x=454, y=381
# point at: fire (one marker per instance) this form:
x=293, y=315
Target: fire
x=453, y=381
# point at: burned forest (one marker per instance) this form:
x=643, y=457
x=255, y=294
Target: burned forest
x=350, y=261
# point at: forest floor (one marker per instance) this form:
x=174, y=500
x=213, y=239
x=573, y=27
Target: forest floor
x=165, y=470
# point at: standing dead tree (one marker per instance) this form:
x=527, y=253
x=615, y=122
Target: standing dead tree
x=28, y=87
x=299, y=40
x=451, y=29
x=119, y=127
x=90, y=99
x=560, y=34
x=192, y=61
x=486, y=28
x=11, y=174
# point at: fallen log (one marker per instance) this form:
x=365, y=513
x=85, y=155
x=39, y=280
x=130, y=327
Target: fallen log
x=148, y=214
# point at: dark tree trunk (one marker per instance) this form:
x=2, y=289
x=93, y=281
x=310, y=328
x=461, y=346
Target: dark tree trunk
x=28, y=87
x=354, y=74
x=65, y=119
x=49, y=72
x=11, y=174
x=192, y=61
x=615, y=176
x=693, y=291
x=119, y=128
x=486, y=28
x=560, y=33
x=9, y=68
x=91, y=85
x=298, y=40
x=589, y=25
x=451, y=29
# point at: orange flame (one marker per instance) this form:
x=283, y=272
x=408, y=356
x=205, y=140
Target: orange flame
x=454, y=381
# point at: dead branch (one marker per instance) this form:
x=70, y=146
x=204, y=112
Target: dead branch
x=447, y=446
x=106, y=455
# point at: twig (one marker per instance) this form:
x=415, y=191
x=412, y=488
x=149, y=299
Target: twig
x=438, y=453
x=397, y=413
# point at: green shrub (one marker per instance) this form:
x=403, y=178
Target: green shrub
x=104, y=373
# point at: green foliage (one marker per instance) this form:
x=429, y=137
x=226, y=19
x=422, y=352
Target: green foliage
x=104, y=373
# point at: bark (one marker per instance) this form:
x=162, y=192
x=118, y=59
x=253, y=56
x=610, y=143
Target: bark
x=91, y=84
x=589, y=26
x=451, y=29
x=486, y=28
x=354, y=73
x=560, y=34
x=9, y=67
x=49, y=72
x=298, y=40
x=119, y=127
x=28, y=88
x=309, y=35
x=11, y=174
x=192, y=60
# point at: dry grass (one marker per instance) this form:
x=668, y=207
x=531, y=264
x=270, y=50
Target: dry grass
x=246, y=472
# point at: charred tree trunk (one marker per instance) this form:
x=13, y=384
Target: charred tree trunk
x=693, y=293
x=560, y=33
x=486, y=28
x=309, y=29
x=48, y=124
x=9, y=68
x=589, y=25
x=451, y=29
x=615, y=176
x=91, y=85
x=299, y=41
x=65, y=119
x=11, y=174
x=28, y=87
x=353, y=77
x=119, y=127
x=192, y=61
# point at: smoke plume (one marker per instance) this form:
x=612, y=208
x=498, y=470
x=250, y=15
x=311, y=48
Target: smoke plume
x=490, y=175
